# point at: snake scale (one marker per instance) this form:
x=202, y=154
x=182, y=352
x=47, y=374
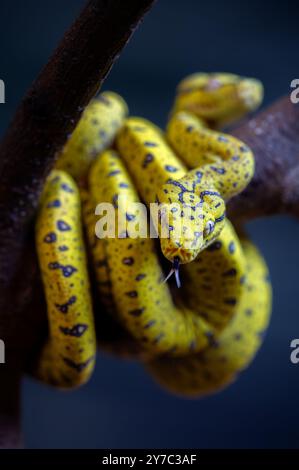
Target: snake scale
x=195, y=339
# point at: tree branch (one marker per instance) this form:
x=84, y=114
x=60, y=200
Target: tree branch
x=44, y=119
x=273, y=135
x=50, y=112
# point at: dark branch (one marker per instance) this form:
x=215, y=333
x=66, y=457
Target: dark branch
x=46, y=116
x=48, y=113
x=273, y=135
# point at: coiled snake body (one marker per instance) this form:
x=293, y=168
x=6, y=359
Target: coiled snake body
x=194, y=342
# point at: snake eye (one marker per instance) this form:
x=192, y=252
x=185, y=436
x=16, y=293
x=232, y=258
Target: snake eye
x=209, y=228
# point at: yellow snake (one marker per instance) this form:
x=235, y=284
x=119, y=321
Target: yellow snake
x=195, y=339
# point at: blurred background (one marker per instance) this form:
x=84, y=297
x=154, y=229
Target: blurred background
x=122, y=406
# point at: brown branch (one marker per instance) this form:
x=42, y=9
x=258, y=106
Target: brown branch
x=48, y=113
x=273, y=135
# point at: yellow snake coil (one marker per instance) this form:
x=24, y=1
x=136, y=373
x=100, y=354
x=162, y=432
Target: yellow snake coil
x=195, y=339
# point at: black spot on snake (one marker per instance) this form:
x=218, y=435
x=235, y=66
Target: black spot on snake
x=63, y=308
x=230, y=272
x=132, y=294
x=114, y=172
x=115, y=201
x=128, y=261
x=232, y=247
x=147, y=160
x=63, y=248
x=222, y=138
x=230, y=301
x=209, y=193
x=77, y=366
x=215, y=246
x=199, y=175
x=238, y=336
x=55, y=179
x=63, y=226
x=170, y=168
x=130, y=217
x=219, y=219
x=55, y=203
x=67, y=188
x=211, y=338
x=158, y=338
x=150, y=144
x=50, y=237
x=54, y=265
x=68, y=270
x=102, y=133
x=137, y=312
x=149, y=324
x=77, y=330
x=220, y=171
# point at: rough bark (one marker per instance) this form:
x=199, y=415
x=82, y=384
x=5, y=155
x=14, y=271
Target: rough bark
x=274, y=137
x=42, y=123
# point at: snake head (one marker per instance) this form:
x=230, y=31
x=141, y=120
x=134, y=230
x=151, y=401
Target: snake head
x=188, y=220
x=218, y=98
x=250, y=92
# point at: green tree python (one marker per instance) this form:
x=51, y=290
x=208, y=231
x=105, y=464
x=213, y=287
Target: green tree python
x=195, y=339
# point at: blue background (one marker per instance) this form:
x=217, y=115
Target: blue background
x=122, y=406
